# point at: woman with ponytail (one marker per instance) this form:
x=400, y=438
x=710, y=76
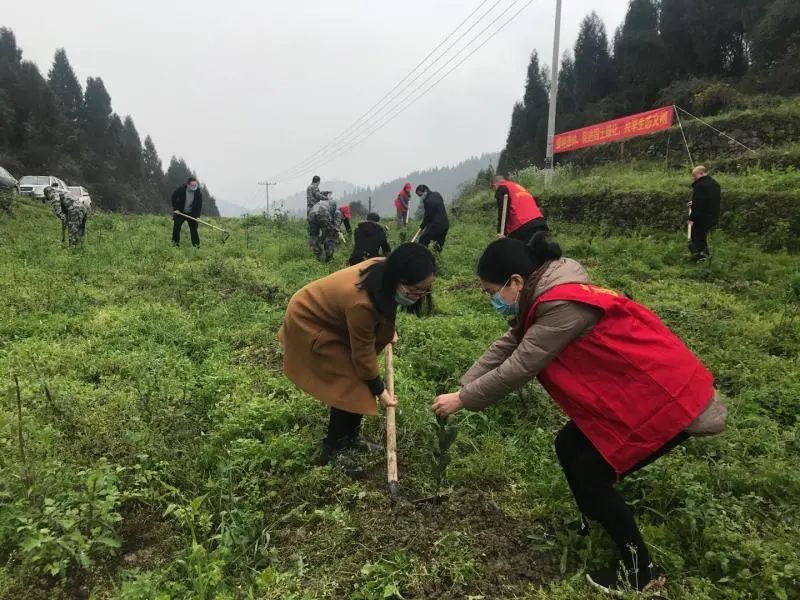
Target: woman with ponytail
x=631, y=388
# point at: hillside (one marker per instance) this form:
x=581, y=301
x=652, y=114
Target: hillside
x=56, y=126
x=156, y=451
x=649, y=187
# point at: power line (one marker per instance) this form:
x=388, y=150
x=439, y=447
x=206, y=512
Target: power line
x=387, y=106
x=397, y=85
x=402, y=108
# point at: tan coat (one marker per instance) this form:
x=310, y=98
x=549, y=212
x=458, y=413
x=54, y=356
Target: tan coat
x=331, y=337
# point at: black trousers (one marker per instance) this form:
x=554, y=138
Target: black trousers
x=592, y=480
x=343, y=429
x=177, y=223
x=698, y=245
x=527, y=231
x=437, y=236
x=347, y=227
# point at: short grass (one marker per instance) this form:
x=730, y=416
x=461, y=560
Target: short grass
x=156, y=451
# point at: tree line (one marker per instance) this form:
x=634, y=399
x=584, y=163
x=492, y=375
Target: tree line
x=665, y=51
x=53, y=126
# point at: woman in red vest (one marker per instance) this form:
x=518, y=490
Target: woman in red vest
x=631, y=388
x=524, y=218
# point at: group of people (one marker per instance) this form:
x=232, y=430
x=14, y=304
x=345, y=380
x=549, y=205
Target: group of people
x=631, y=389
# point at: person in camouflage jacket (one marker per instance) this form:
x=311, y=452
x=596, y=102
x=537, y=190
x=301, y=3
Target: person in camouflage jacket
x=313, y=195
x=324, y=221
x=72, y=212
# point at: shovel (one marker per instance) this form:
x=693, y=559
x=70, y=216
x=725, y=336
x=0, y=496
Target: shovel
x=225, y=234
x=504, y=215
x=391, y=432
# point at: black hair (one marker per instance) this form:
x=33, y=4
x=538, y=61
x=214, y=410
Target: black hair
x=315, y=179
x=506, y=257
x=190, y=180
x=409, y=263
x=374, y=217
x=422, y=188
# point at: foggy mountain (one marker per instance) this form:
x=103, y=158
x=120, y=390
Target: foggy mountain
x=445, y=180
x=229, y=209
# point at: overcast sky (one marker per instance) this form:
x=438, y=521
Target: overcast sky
x=243, y=90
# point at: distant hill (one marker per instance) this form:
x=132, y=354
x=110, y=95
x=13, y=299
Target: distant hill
x=445, y=180
x=228, y=209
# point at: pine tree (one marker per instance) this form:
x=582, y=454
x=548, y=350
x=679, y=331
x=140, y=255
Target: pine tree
x=527, y=134
x=97, y=116
x=131, y=166
x=639, y=57
x=65, y=87
x=594, y=71
x=677, y=39
x=776, y=31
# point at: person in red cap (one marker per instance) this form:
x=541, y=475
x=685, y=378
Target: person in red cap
x=401, y=203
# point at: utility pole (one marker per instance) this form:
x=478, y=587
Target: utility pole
x=266, y=185
x=369, y=209
x=551, y=115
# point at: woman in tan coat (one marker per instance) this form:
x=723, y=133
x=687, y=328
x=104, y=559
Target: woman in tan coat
x=335, y=327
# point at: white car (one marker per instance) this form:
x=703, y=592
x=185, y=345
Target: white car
x=82, y=194
x=33, y=185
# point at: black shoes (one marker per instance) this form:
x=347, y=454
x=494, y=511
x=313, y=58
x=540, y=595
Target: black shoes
x=345, y=456
x=617, y=580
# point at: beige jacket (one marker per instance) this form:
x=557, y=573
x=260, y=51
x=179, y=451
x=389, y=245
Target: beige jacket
x=507, y=365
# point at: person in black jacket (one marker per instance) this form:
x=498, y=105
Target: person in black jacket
x=435, y=223
x=369, y=240
x=187, y=199
x=703, y=211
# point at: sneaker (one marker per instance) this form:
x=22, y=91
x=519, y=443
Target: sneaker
x=617, y=581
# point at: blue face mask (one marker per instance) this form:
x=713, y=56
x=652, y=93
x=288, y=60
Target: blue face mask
x=501, y=306
x=402, y=300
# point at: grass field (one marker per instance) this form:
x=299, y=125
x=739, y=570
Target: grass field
x=155, y=451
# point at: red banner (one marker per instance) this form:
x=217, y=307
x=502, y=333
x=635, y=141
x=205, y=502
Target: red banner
x=644, y=123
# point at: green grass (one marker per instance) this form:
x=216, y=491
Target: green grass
x=165, y=456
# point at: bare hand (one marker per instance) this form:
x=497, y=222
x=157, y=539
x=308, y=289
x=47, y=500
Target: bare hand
x=394, y=339
x=387, y=399
x=499, y=236
x=447, y=404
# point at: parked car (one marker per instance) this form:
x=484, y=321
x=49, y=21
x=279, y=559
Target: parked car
x=82, y=194
x=33, y=185
x=7, y=182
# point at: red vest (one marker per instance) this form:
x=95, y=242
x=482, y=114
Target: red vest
x=399, y=204
x=630, y=385
x=522, y=207
x=345, y=208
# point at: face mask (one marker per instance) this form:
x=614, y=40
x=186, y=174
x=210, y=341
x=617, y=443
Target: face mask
x=501, y=306
x=402, y=300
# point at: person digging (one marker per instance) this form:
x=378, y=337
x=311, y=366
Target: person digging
x=333, y=331
x=632, y=390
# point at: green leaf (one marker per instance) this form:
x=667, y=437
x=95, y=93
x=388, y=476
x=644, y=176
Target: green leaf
x=108, y=541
